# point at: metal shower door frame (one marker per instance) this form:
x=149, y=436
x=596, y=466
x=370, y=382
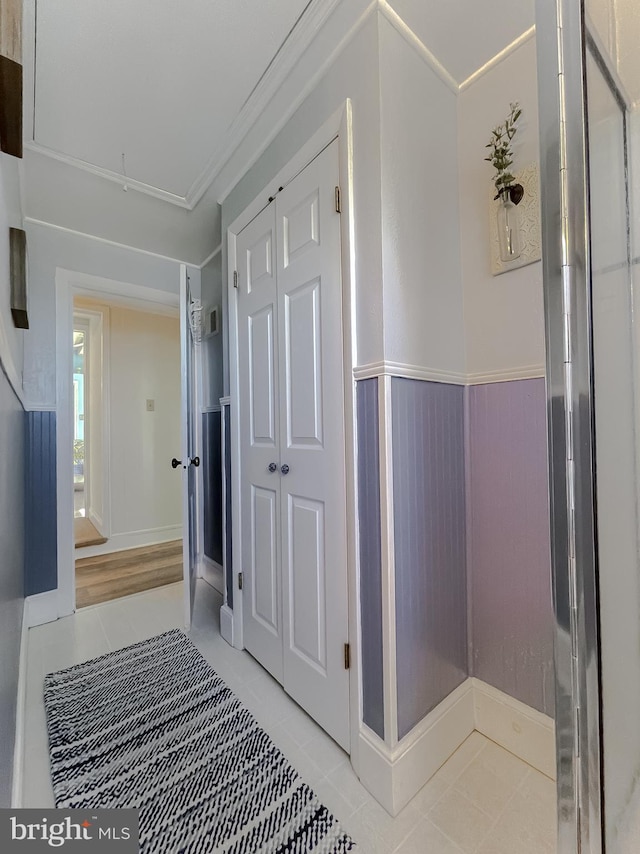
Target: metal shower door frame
x=561, y=45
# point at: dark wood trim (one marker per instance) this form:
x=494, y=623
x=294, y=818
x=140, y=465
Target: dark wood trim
x=10, y=106
x=18, y=268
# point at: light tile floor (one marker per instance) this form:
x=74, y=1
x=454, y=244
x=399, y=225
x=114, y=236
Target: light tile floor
x=482, y=800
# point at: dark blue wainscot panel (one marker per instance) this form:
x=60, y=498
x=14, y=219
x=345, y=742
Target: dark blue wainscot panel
x=212, y=476
x=370, y=555
x=430, y=544
x=41, y=563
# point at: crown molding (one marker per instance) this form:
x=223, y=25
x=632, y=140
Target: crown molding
x=412, y=39
x=295, y=44
x=114, y=177
x=341, y=42
x=498, y=58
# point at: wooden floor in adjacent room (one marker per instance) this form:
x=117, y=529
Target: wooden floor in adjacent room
x=110, y=576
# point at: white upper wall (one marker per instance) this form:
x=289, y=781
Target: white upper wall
x=420, y=230
x=49, y=249
x=145, y=493
x=58, y=193
x=464, y=34
x=11, y=339
x=504, y=321
x=212, y=349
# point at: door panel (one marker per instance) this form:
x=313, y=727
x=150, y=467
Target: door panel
x=307, y=623
x=312, y=444
x=300, y=229
x=259, y=441
x=262, y=379
x=304, y=358
x=264, y=569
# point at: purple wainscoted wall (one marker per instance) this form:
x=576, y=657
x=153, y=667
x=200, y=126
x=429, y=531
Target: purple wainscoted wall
x=509, y=563
x=429, y=536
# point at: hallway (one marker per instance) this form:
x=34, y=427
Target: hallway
x=482, y=800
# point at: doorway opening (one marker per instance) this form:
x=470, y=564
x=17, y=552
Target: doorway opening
x=126, y=428
x=88, y=449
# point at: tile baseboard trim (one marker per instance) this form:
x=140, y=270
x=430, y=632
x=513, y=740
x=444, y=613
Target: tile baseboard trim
x=21, y=713
x=518, y=728
x=395, y=775
x=41, y=608
x=226, y=624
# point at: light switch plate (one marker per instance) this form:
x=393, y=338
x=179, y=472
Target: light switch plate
x=151, y=405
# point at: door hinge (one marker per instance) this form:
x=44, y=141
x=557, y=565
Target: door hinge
x=347, y=656
x=338, y=201
x=240, y=580
x=235, y=278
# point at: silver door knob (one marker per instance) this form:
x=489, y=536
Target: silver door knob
x=273, y=467
x=284, y=469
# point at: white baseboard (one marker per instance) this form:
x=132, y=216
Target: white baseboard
x=41, y=608
x=21, y=711
x=132, y=540
x=226, y=624
x=213, y=574
x=395, y=776
x=97, y=522
x=515, y=726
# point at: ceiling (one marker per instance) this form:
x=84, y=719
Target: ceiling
x=159, y=87
x=173, y=86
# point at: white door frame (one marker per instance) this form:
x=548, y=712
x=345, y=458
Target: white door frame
x=69, y=284
x=338, y=125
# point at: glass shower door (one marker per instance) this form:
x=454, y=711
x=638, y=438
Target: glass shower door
x=616, y=449
x=589, y=83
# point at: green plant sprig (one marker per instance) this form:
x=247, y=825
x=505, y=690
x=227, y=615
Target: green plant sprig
x=501, y=156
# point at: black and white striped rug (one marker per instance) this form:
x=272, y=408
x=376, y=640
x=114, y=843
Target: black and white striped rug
x=154, y=727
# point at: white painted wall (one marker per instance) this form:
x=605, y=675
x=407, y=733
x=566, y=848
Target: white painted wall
x=62, y=194
x=503, y=315
x=212, y=349
x=464, y=36
x=423, y=320
x=50, y=249
x=12, y=339
x=142, y=362
x=145, y=364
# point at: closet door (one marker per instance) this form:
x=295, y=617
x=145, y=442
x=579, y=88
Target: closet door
x=259, y=442
x=312, y=445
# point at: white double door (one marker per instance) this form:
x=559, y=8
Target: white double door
x=293, y=501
